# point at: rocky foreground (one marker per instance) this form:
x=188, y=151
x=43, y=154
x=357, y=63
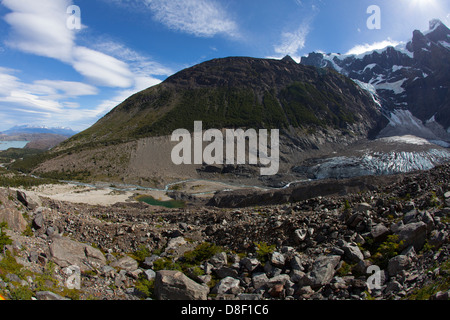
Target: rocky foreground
x=389, y=242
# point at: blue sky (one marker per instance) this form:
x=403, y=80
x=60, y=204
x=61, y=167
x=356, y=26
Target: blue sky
x=55, y=75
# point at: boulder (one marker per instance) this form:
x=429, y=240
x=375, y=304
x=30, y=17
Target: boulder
x=397, y=264
x=277, y=259
x=38, y=221
x=379, y=232
x=352, y=253
x=65, y=252
x=259, y=280
x=174, y=285
x=125, y=263
x=227, y=285
x=323, y=270
x=412, y=234
x=48, y=295
x=219, y=260
x=250, y=263
x=438, y=238
x=10, y=214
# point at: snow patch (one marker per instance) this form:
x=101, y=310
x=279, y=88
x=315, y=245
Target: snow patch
x=369, y=66
x=445, y=44
x=394, y=86
x=403, y=118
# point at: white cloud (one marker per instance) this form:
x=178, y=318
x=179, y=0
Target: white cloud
x=292, y=42
x=138, y=63
x=202, y=18
x=68, y=88
x=362, y=48
x=41, y=97
x=39, y=27
x=102, y=69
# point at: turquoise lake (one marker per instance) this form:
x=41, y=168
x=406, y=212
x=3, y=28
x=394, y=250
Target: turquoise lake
x=5, y=145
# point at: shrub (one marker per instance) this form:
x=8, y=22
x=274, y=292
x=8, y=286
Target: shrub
x=387, y=250
x=263, y=250
x=201, y=253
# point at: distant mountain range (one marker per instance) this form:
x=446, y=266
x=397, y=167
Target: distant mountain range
x=410, y=82
x=28, y=129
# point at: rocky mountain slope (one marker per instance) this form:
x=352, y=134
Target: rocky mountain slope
x=410, y=81
x=315, y=110
x=388, y=242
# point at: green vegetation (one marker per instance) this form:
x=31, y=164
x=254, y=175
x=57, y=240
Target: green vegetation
x=7, y=156
x=44, y=281
x=386, y=251
x=263, y=251
x=201, y=253
x=18, y=180
x=190, y=259
x=4, y=238
x=440, y=283
x=141, y=253
x=145, y=287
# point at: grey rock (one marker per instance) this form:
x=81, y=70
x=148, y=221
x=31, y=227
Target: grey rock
x=13, y=277
x=397, y=264
x=379, y=232
x=352, y=253
x=65, y=252
x=22, y=197
x=300, y=235
x=48, y=295
x=148, y=261
x=174, y=285
x=393, y=286
x=277, y=259
x=438, y=238
x=250, y=263
x=125, y=263
x=259, y=280
x=413, y=234
x=38, y=221
x=410, y=216
x=219, y=260
x=363, y=207
x=224, y=272
x=323, y=270
x=249, y=296
x=227, y=285
x=296, y=263
x=150, y=274
x=441, y=295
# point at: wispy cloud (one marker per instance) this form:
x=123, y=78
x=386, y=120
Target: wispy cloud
x=292, y=42
x=202, y=18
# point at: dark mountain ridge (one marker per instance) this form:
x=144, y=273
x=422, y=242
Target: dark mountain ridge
x=240, y=92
